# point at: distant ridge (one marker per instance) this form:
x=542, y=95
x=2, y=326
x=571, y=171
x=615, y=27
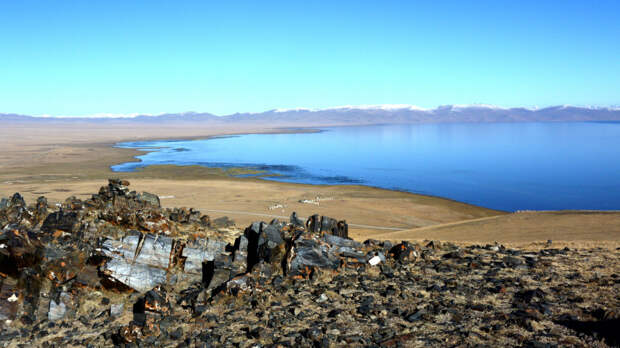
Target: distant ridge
x=355, y=115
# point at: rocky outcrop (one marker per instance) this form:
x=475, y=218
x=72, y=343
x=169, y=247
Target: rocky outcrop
x=120, y=269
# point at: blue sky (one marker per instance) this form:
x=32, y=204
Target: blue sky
x=93, y=57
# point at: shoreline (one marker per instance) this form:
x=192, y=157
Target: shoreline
x=269, y=175
x=134, y=152
x=286, y=130
x=58, y=163
x=135, y=159
x=59, y=166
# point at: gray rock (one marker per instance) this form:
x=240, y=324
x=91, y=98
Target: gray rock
x=17, y=201
x=136, y=276
x=265, y=243
x=335, y=227
x=512, y=261
x=60, y=220
x=222, y=222
x=149, y=199
x=155, y=251
x=217, y=272
x=126, y=247
x=313, y=224
x=201, y=251
x=326, y=224
x=308, y=253
x=270, y=235
x=139, y=262
x=296, y=221
x=57, y=310
x=341, y=242
x=116, y=310
x=378, y=254
x=240, y=255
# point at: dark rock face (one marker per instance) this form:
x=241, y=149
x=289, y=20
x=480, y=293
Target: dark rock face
x=404, y=252
x=15, y=211
x=324, y=224
x=308, y=254
x=606, y=328
x=184, y=215
x=296, y=221
x=19, y=249
x=119, y=269
x=332, y=226
x=265, y=243
x=60, y=220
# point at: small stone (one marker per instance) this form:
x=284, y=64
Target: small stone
x=416, y=316
x=513, y=261
x=375, y=260
x=116, y=310
x=176, y=334
x=322, y=298
x=57, y=311
x=334, y=313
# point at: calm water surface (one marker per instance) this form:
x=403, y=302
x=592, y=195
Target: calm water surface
x=502, y=166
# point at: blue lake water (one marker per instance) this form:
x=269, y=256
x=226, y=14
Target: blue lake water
x=507, y=166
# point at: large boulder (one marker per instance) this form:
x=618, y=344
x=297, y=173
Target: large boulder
x=296, y=221
x=61, y=221
x=309, y=253
x=40, y=210
x=265, y=243
x=149, y=199
x=19, y=249
x=197, y=252
x=334, y=227
x=137, y=261
x=403, y=252
x=325, y=224
x=185, y=216
x=13, y=210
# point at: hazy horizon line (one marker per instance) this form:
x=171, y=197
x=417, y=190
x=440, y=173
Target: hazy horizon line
x=384, y=107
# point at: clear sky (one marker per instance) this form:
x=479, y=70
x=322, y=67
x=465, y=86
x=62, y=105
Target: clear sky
x=93, y=57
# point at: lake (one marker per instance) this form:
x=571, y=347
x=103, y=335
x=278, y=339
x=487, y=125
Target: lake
x=506, y=166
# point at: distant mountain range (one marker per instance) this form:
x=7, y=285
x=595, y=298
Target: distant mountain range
x=356, y=115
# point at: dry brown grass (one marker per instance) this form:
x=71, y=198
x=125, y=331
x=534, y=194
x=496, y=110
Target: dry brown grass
x=576, y=228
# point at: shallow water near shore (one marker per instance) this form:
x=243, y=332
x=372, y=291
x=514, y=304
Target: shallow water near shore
x=505, y=166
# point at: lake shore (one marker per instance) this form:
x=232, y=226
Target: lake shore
x=62, y=160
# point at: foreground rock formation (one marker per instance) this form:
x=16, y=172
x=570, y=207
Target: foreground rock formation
x=119, y=269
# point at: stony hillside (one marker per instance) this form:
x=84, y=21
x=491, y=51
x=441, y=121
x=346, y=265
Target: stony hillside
x=117, y=269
